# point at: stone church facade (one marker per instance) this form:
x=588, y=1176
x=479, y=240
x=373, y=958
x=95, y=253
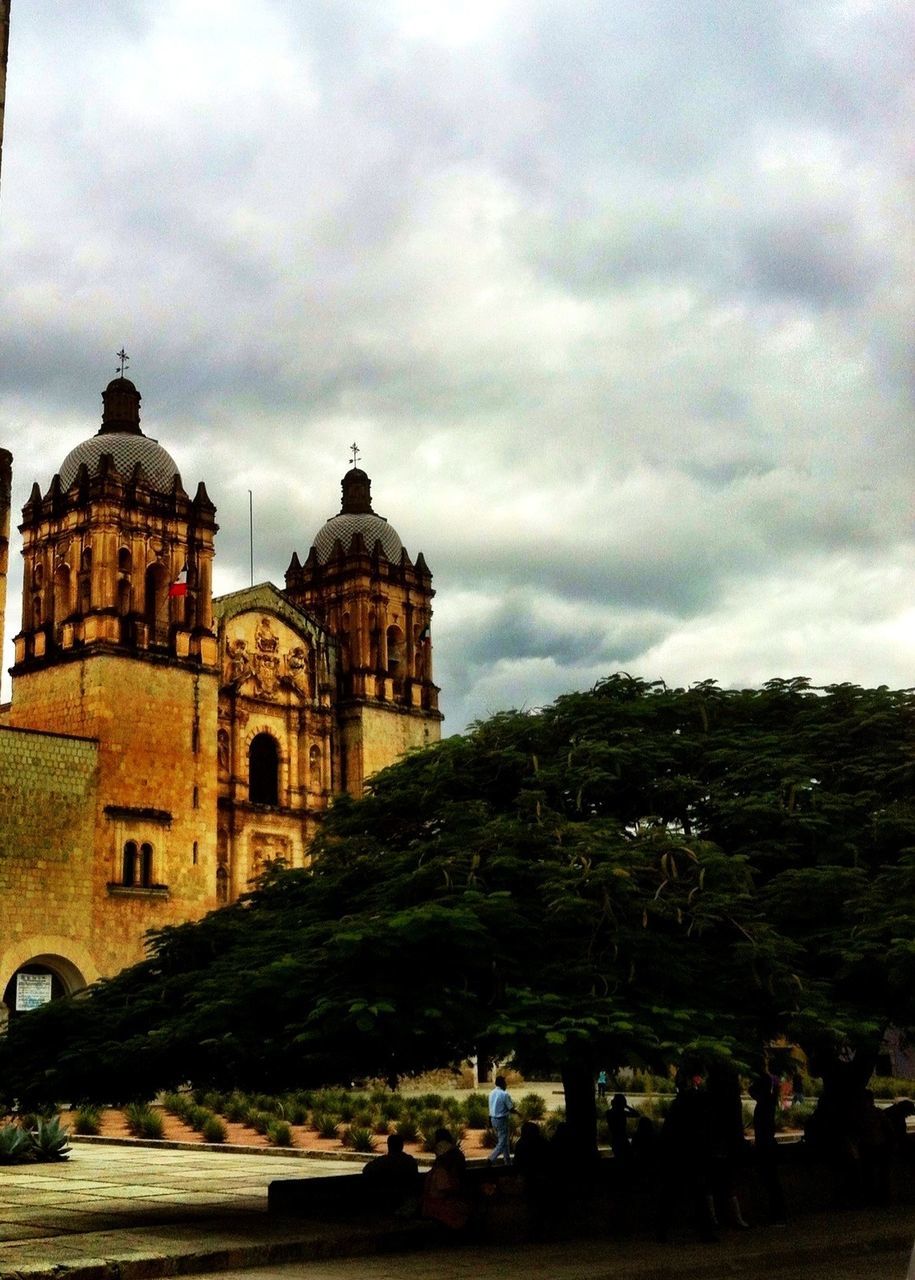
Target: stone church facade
x=163, y=747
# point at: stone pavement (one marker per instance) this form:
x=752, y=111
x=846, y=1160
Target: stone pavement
x=135, y=1213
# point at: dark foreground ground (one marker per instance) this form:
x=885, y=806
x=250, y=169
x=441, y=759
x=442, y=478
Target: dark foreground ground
x=137, y=1213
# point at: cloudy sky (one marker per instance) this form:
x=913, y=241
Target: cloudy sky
x=615, y=297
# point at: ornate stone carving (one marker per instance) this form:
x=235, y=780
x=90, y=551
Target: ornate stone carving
x=238, y=662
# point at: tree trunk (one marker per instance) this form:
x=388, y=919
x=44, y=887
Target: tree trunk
x=581, y=1111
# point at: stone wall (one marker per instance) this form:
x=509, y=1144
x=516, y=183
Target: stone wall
x=155, y=723
x=48, y=787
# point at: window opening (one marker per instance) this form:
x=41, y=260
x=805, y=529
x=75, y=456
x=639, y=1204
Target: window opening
x=263, y=770
x=129, y=870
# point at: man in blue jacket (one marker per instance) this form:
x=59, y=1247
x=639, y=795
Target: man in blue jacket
x=500, y=1108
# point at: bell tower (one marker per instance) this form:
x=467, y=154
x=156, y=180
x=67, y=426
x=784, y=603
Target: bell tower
x=360, y=582
x=117, y=555
x=117, y=644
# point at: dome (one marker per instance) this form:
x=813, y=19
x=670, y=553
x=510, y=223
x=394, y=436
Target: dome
x=128, y=449
x=373, y=529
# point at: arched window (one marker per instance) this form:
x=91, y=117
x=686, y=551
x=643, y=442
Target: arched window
x=263, y=770
x=314, y=765
x=222, y=884
x=395, y=651
x=63, y=601
x=125, y=561
x=129, y=870
x=85, y=581
x=157, y=603
x=137, y=865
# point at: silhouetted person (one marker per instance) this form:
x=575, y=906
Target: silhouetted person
x=644, y=1148
x=533, y=1159
x=394, y=1179
x=618, y=1113
x=446, y=1195
x=726, y=1142
x=684, y=1159
x=765, y=1149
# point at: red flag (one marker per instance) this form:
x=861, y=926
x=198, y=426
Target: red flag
x=179, y=586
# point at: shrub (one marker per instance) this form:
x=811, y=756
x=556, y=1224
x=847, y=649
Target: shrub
x=279, y=1134
x=176, y=1103
x=363, y=1119
x=794, y=1117
x=260, y=1121
x=476, y=1111
x=49, y=1140
x=214, y=1130
x=142, y=1121
x=381, y=1126
x=296, y=1112
x=553, y=1121
x=87, y=1120
x=431, y=1101
x=324, y=1124
x=346, y=1107
x=429, y=1121
x=392, y=1107
x=886, y=1087
x=197, y=1116
x=408, y=1129
x=358, y=1138
x=237, y=1109
x=532, y=1107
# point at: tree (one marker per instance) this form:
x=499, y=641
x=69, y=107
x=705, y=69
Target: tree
x=627, y=875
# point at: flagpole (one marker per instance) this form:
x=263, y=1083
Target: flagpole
x=251, y=532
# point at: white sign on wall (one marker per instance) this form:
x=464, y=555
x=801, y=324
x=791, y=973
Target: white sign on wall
x=32, y=990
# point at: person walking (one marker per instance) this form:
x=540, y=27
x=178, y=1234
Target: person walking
x=500, y=1108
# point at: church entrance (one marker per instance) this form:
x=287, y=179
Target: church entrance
x=41, y=980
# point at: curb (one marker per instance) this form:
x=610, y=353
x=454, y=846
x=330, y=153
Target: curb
x=230, y=1148
x=153, y=1264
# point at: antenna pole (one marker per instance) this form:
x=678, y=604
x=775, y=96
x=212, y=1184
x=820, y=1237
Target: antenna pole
x=251, y=532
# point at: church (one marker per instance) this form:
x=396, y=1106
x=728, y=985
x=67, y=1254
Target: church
x=162, y=747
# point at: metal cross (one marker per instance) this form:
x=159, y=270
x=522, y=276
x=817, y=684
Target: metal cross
x=124, y=359
x=354, y=450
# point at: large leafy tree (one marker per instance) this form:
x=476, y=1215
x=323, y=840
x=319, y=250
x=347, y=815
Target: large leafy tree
x=628, y=874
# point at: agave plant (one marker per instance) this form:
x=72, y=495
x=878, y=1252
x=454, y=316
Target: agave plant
x=49, y=1140
x=15, y=1144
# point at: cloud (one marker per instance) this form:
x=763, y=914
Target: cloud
x=615, y=299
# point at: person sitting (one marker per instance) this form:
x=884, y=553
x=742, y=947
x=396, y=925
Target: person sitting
x=394, y=1179
x=446, y=1196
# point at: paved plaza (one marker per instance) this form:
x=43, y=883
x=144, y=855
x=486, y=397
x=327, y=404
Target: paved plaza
x=119, y=1212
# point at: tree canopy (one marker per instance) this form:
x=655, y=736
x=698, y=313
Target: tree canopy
x=628, y=874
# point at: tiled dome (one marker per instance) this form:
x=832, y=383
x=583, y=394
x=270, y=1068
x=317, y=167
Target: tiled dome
x=128, y=449
x=373, y=529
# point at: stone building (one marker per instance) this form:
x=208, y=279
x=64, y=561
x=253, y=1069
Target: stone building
x=162, y=747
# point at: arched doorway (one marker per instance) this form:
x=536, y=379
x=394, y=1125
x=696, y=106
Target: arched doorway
x=39, y=980
x=264, y=770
